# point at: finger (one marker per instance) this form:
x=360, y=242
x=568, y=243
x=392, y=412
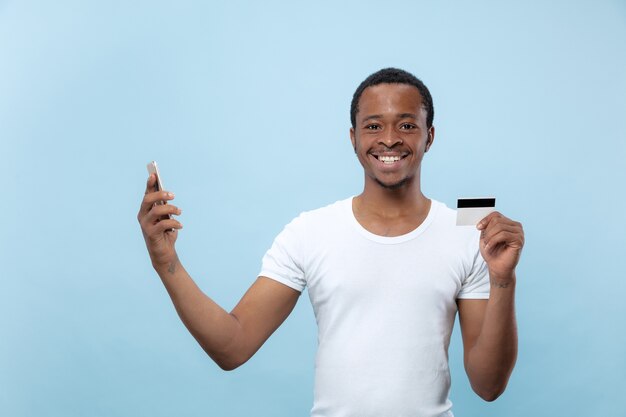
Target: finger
x=160, y=212
x=154, y=227
x=486, y=220
x=496, y=227
x=154, y=197
x=166, y=226
x=504, y=237
x=150, y=184
x=495, y=217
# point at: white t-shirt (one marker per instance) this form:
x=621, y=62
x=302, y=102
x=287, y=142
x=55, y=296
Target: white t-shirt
x=385, y=307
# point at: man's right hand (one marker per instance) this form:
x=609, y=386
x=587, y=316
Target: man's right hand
x=230, y=339
x=159, y=232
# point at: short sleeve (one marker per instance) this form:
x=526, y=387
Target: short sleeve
x=282, y=262
x=476, y=284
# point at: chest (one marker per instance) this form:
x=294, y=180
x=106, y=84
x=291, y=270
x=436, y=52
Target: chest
x=364, y=277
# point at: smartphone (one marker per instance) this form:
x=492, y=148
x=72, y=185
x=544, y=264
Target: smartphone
x=153, y=168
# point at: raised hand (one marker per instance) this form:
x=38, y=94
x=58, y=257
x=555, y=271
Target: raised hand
x=159, y=231
x=501, y=243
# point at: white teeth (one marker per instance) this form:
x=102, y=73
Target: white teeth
x=388, y=159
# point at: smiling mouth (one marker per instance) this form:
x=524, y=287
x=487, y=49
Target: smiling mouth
x=389, y=159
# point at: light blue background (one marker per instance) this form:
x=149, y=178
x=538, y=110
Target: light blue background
x=245, y=107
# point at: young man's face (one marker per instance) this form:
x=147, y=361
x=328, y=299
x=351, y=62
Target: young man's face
x=390, y=136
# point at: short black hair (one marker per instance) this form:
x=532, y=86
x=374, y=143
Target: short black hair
x=393, y=76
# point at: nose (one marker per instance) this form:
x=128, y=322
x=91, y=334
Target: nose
x=390, y=139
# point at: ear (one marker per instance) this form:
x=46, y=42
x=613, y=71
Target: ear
x=431, y=138
x=353, y=139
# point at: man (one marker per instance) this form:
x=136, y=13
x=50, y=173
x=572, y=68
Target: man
x=386, y=273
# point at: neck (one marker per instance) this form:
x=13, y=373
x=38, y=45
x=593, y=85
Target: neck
x=392, y=202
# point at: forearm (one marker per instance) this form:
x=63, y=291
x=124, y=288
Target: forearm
x=492, y=358
x=213, y=327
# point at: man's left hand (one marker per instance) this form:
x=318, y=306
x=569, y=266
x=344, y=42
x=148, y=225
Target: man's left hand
x=501, y=243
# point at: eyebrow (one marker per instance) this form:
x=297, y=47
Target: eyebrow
x=373, y=116
x=400, y=116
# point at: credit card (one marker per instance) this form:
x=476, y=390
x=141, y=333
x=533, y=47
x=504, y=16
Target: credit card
x=469, y=211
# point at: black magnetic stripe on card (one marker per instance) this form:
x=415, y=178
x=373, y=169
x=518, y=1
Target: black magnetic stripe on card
x=475, y=202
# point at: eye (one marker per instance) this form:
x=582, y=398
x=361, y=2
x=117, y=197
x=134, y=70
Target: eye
x=372, y=127
x=407, y=126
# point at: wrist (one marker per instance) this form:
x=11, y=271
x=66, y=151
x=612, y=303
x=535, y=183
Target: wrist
x=502, y=280
x=168, y=266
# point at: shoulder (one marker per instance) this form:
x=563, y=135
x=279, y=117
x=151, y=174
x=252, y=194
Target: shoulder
x=458, y=245
x=314, y=227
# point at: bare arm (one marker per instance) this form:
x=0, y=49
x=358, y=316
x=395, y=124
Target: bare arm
x=489, y=326
x=230, y=339
x=489, y=341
